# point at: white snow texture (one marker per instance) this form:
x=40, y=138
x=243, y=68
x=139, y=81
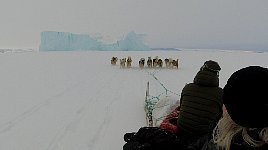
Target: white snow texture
x=77, y=100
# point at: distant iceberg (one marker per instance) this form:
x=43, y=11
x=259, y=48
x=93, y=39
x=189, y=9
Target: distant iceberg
x=65, y=41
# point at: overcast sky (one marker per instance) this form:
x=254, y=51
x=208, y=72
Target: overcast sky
x=223, y=24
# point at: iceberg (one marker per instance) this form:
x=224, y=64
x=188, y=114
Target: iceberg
x=132, y=42
x=65, y=41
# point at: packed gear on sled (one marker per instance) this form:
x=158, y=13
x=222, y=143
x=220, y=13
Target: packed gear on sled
x=170, y=122
x=154, y=138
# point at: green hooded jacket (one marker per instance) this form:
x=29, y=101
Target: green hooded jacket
x=200, y=105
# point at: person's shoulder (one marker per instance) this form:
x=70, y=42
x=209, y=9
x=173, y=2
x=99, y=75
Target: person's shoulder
x=217, y=90
x=238, y=143
x=188, y=85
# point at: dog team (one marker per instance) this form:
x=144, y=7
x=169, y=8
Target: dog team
x=151, y=63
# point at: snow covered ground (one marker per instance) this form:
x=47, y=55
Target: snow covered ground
x=78, y=101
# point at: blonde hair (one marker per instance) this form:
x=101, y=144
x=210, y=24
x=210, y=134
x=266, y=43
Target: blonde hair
x=226, y=129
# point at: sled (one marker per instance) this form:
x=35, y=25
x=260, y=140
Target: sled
x=157, y=108
x=148, y=107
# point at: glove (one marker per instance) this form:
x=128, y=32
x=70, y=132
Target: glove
x=151, y=138
x=130, y=137
x=155, y=136
x=137, y=146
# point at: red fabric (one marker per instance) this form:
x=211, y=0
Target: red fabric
x=168, y=123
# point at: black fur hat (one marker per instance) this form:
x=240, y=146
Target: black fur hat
x=245, y=97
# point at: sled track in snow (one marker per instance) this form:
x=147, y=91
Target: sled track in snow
x=80, y=114
x=13, y=122
x=107, y=118
x=5, y=127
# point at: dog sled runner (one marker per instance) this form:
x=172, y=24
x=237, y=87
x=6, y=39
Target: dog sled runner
x=148, y=107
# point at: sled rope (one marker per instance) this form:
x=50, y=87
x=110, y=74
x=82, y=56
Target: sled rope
x=162, y=85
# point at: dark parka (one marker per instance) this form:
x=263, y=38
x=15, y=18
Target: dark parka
x=201, y=105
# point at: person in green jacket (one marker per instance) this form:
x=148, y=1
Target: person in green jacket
x=201, y=103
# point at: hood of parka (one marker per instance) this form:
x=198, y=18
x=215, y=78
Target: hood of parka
x=207, y=78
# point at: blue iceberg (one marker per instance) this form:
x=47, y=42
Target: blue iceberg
x=64, y=41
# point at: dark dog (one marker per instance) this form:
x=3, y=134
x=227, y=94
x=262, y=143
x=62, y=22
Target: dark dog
x=167, y=63
x=160, y=63
x=149, y=62
x=114, y=60
x=175, y=63
x=129, y=61
x=141, y=62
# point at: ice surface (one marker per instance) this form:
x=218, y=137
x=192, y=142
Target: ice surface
x=79, y=101
x=64, y=41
